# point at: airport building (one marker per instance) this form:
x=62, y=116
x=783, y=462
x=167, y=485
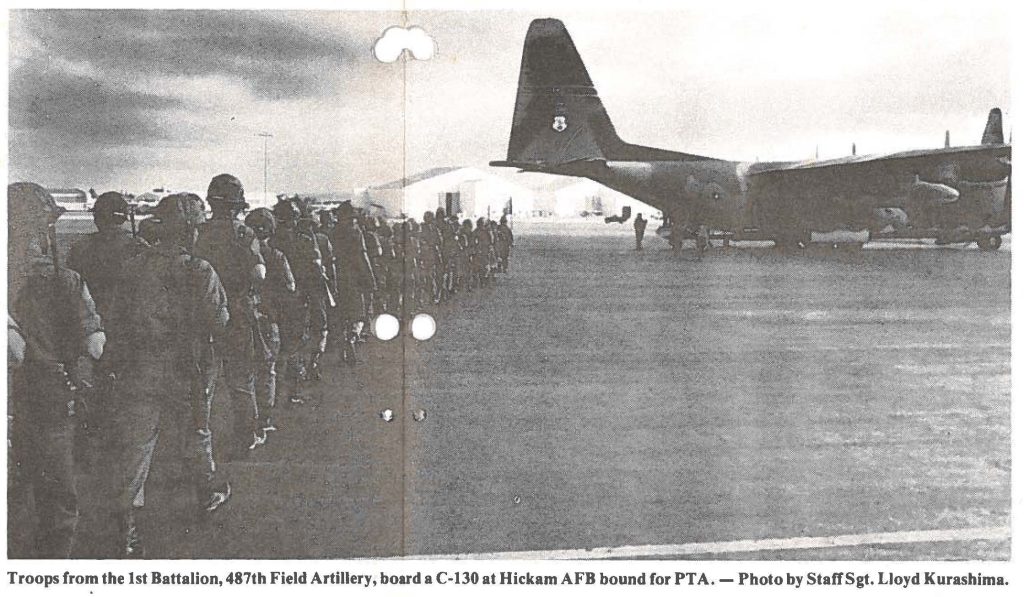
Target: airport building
x=469, y=192
x=566, y=197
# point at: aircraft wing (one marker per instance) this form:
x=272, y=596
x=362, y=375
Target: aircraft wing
x=876, y=172
x=845, y=192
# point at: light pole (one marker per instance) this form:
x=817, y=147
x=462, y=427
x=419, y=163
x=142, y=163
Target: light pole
x=266, y=136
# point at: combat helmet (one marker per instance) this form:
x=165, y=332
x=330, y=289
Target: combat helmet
x=286, y=213
x=263, y=222
x=110, y=209
x=30, y=207
x=227, y=191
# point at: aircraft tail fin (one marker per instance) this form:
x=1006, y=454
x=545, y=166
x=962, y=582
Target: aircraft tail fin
x=993, y=134
x=558, y=116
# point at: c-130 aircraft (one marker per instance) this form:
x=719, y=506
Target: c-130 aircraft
x=954, y=194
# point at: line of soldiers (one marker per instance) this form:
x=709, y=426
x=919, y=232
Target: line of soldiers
x=137, y=330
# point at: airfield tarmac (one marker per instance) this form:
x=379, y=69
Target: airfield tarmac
x=598, y=398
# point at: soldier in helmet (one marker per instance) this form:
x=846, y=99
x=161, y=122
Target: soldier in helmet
x=356, y=278
x=167, y=309
x=56, y=316
x=277, y=296
x=232, y=249
x=503, y=243
x=322, y=296
x=430, y=258
x=304, y=259
x=100, y=256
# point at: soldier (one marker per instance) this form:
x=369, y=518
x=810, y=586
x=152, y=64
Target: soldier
x=57, y=318
x=703, y=240
x=639, y=228
x=386, y=268
x=449, y=253
x=430, y=258
x=232, y=249
x=503, y=243
x=167, y=309
x=467, y=256
x=100, y=257
x=413, y=282
x=356, y=279
x=396, y=273
x=322, y=296
x=304, y=259
x=277, y=296
x=374, y=252
x=482, y=244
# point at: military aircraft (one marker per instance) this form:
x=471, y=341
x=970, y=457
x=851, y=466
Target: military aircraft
x=953, y=194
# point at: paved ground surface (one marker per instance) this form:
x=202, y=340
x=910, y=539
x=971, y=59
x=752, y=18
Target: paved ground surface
x=598, y=397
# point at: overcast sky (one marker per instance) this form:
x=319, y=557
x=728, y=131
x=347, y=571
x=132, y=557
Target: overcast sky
x=136, y=99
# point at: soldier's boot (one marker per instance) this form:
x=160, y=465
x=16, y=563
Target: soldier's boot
x=348, y=352
x=314, y=366
x=215, y=497
x=131, y=541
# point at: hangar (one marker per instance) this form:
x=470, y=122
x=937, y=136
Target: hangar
x=466, y=191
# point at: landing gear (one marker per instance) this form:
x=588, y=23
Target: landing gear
x=989, y=243
x=795, y=240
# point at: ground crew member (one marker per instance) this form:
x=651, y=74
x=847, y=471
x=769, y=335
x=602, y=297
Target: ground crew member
x=171, y=303
x=639, y=228
x=232, y=249
x=100, y=256
x=277, y=295
x=304, y=259
x=59, y=323
x=703, y=240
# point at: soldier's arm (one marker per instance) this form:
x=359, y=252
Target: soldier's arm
x=286, y=272
x=212, y=301
x=259, y=269
x=364, y=262
x=90, y=326
x=331, y=266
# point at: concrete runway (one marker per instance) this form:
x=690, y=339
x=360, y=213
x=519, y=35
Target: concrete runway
x=599, y=398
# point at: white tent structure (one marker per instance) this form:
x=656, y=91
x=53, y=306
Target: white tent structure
x=465, y=191
x=584, y=197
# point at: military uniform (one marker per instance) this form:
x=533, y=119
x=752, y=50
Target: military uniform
x=168, y=308
x=232, y=249
x=639, y=228
x=356, y=279
x=277, y=296
x=100, y=256
x=56, y=317
x=503, y=242
x=304, y=259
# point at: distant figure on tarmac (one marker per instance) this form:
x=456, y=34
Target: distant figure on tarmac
x=639, y=227
x=675, y=236
x=703, y=240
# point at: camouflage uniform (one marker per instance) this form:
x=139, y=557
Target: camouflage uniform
x=100, y=257
x=167, y=309
x=277, y=295
x=232, y=249
x=303, y=257
x=56, y=317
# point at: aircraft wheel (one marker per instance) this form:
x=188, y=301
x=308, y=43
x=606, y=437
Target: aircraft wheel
x=989, y=243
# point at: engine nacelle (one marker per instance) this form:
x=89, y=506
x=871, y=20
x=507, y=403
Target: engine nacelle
x=890, y=216
x=932, y=193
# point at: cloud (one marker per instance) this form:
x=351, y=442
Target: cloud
x=276, y=58
x=71, y=107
